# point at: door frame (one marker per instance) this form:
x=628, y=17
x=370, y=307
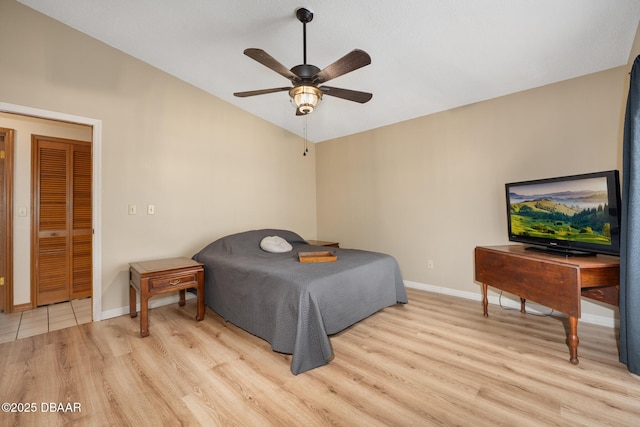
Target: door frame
x=7, y=289
x=96, y=142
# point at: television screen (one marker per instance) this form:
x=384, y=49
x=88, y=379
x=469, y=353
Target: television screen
x=573, y=215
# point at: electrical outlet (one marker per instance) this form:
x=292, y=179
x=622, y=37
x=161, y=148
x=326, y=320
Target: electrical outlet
x=151, y=209
x=430, y=264
x=132, y=209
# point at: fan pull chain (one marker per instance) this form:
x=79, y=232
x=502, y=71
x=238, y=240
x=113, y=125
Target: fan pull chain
x=306, y=142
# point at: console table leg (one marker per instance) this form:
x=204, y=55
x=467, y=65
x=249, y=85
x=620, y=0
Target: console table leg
x=573, y=339
x=523, y=303
x=485, y=301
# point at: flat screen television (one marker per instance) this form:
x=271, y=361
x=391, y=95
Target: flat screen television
x=572, y=215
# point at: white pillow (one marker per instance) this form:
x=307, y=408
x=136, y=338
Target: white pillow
x=275, y=244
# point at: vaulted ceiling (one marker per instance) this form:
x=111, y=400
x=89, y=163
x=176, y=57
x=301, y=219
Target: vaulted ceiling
x=427, y=55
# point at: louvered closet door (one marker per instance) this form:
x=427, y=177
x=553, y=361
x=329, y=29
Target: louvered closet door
x=81, y=223
x=62, y=255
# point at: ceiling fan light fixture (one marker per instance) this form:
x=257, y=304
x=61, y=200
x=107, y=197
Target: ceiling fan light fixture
x=305, y=78
x=305, y=98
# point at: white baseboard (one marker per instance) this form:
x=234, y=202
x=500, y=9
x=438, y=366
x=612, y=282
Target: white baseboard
x=153, y=303
x=505, y=302
x=610, y=322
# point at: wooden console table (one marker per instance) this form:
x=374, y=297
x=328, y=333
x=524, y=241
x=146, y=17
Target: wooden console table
x=156, y=277
x=555, y=281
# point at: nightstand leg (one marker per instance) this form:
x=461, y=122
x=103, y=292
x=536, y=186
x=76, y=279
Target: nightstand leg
x=200, y=288
x=182, y=298
x=132, y=302
x=144, y=315
x=200, y=294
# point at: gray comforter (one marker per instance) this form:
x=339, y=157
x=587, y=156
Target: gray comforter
x=296, y=306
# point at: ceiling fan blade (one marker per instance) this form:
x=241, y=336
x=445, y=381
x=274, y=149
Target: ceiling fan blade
x=351, y=61
x=260, y=92
x=349, y=95
x=270, y=62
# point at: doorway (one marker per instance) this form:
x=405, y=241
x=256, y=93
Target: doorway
x=6, y=220
x=96, y=126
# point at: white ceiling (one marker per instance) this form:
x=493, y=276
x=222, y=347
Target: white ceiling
x=427, y=55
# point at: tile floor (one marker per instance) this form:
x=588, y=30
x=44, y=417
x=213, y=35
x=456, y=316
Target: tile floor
x=44, y=319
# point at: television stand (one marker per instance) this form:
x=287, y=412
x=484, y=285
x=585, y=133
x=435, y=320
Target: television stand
x=558, y=251
x=555, y=281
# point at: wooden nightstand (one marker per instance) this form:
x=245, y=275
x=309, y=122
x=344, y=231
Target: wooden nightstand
x=150, y=278
x=323, y=243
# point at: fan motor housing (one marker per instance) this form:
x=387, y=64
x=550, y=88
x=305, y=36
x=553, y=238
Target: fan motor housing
x=305, y=71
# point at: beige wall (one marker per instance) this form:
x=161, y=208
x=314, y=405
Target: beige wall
x=432, y=188
x=208, y=167
x=635, y=49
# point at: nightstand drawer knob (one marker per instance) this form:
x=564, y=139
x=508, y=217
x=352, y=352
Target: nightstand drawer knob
x=174, y=282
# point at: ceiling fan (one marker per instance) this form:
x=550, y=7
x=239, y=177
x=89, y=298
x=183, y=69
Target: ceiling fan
x=306, y=78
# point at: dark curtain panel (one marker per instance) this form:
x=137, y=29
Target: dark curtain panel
x=630, y=239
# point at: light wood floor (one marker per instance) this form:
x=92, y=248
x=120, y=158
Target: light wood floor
x=435, y=361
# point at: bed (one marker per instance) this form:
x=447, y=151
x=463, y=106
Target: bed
x=293, y=305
